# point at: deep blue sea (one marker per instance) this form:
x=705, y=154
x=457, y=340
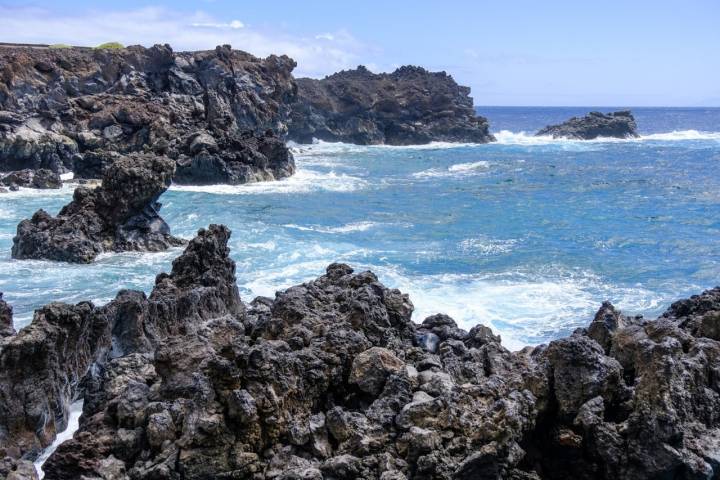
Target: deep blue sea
x=527, y=235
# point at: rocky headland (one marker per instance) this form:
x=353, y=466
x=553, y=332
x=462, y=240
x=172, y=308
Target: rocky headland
x=221, y=115
x=120, y=215
x=406, y=107
x=594, y=125
x=332, y=380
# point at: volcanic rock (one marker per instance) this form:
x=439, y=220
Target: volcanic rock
x=59, y=356
x=6, y=319
x=593, y=125
x=332, y=379
x=406, y=107
x=41, y=179
x=120, y=215
x=75, y=108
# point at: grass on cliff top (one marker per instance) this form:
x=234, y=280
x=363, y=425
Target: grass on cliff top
x=111, y=46
x=59, y=45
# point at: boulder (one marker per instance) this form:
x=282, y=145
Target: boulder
x=594, y=125
x=120, y=215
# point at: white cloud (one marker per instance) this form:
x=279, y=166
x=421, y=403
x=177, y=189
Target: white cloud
x=235, y=24
x=316, y=56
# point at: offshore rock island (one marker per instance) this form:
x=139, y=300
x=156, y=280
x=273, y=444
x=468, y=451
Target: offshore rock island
x=594, y=125
x=331, y=379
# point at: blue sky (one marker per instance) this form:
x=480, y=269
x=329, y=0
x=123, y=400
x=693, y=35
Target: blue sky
x=556, y=52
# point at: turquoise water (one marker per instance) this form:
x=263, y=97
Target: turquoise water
x=527, y=235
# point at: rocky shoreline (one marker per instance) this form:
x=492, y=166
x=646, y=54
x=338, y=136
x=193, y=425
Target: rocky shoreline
x=222, y=115
x=331, y=379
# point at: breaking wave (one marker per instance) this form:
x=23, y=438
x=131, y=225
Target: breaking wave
x=304, y=181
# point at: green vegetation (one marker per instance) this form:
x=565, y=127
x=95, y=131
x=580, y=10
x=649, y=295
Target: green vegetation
x=111, y=46
x=59, y=45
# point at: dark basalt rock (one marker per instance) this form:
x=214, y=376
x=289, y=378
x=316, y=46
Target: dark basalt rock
x=593, y=125
x=330, y=380
x=6, y=319
x=75, y=109
x=234, y=159
x=409, y=106
x=60, y=355
x=120, y=215
x=41, y=179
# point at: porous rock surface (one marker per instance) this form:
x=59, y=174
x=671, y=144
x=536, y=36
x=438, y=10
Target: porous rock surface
x=120, y=215
x=332, y=380
x=406, y=107
x=40, y=179
x=619, y=124
x=77, y=109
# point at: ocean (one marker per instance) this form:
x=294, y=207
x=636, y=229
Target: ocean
x=527, y=235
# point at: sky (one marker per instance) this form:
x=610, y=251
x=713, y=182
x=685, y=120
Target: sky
x=549, y=53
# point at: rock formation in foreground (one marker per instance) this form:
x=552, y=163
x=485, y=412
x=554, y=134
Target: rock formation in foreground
x=78, y=109
x=594, y=125
x=406, y=107
x=120, y=215
x=332, y=380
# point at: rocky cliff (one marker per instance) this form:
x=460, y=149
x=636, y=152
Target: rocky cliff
x=332, y=380
x=220, y=114
x=594, y=125
x=120, y=215
x=406, y=107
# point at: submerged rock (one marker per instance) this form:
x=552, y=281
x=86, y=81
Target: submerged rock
x=593, y=125
x=406, y=107
x=332, y=379
x=74, y=109
x=120, y=215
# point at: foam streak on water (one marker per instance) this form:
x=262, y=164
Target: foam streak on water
x=73, y=424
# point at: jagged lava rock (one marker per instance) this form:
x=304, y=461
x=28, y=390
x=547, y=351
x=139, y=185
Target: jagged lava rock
x=120, y=215
x=6, y=319
x=406, y=107
x=58, y=357
x=331, y=379
x=594, y=125
x=75, y=108
x=41, y=179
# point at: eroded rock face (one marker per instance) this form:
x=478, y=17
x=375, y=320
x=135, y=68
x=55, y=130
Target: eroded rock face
x=409, y=106
x=74, y=109
x=40, y=368
x=331, y=379
x=593, y=125
x=120, y=215
x=6, y=319
x=62, y=353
